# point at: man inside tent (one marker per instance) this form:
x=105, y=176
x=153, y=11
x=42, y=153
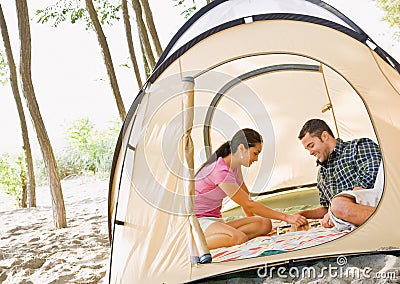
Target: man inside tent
x=346, y=176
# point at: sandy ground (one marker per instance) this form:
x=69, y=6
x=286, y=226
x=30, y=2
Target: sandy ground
x=33, y=251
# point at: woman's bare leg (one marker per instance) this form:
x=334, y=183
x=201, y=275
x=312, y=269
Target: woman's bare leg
x=252, y=226
x=236, y=232
x=222, y=235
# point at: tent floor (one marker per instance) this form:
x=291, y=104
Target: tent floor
x=290, y=201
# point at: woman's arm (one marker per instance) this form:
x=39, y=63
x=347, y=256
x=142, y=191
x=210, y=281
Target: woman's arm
x=240, y=196
x=243, y=186
x=246, y=190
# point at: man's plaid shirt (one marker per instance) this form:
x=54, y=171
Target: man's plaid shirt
x=351, y=163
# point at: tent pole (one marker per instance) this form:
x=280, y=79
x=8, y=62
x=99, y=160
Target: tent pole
x=197, y=235
x=330, y=101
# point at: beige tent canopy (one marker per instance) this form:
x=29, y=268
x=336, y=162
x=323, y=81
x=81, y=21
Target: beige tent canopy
x=265, y=64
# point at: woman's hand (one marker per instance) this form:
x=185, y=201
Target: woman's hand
x=296, y=219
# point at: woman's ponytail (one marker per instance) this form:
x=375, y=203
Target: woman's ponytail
x=248, y=137
x=223, y=151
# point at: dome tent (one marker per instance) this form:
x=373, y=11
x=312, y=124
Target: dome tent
x=269, y=65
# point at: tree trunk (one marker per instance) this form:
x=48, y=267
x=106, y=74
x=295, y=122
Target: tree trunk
x=29, y=93
x=107, y=58
x=151, y=27
x=31, y=186
x=144, y=38
x=145, y=63
x=31, y=177
x=24, y=186
x=128, y=32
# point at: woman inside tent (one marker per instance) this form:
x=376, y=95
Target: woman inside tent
x=221, y=176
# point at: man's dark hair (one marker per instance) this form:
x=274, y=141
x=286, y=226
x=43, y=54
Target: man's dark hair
x=315, y=127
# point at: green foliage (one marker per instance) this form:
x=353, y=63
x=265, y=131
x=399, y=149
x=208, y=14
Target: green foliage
x=89, y=151
x=392, y=10
x=75, y=10
x=79, y=133
x=4, y=71
x=189, y=9
x=11, y=173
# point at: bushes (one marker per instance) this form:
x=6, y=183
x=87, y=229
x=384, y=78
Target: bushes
x=11, y=171
x=88, y=152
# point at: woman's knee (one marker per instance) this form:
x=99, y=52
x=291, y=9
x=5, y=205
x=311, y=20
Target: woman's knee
x=264, y=225
x=238, y=238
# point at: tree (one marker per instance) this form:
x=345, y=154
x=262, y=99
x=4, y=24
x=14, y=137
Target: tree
x=106, y=13
x=151, y=27
x=392, y=10
x=146, y=66
x=3, y=69
x=107, y=58
x=144, y=38
x=58, y=206
x=62, y=9
x=29, y=186
x=128, y=32
x=189, y=8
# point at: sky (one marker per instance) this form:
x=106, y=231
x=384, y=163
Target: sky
x=70, y=79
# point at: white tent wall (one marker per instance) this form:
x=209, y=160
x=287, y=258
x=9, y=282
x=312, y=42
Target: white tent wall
x=302, y=101
x=152, y=241
x=139, y=243
x=276, y=168
x=343, y=95
x=237, y=9
x=280, y=164
x=389, y=72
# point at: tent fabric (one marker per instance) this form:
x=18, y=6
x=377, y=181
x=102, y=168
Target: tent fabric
x=223, y=11
x=274, y=244
x=209, y=20
x=271, y=74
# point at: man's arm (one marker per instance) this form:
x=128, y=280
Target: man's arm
x=368, y=159
x=317, y=213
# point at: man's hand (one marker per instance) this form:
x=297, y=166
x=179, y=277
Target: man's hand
x=297, y=219
x=327, y=222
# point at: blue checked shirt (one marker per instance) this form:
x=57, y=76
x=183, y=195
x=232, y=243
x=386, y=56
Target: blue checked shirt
x=351, y=163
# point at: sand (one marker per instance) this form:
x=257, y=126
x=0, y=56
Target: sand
x=33, y=251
